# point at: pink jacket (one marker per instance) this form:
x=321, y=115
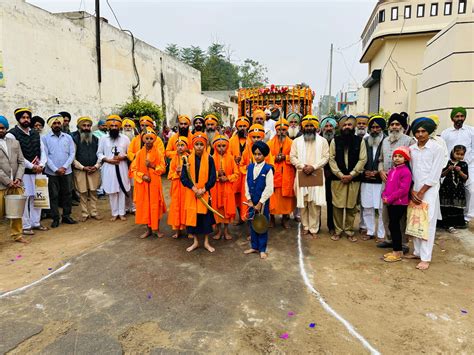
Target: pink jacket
x=397, y=187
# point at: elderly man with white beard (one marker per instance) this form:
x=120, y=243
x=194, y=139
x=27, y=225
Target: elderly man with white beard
x=397, y=124
x=371, y=187
x=211, y=121
x=294, y=122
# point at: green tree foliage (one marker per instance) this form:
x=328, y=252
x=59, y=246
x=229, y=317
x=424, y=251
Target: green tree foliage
x=217, y=70
x=137, y=107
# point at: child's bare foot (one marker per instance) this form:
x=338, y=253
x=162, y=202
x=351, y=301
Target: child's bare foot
x=423, y=265
x=217, y=236
x=250, y=251
x=145, y=235
x=227, y=236
x=160, y=234
x=22, y=240
x=175, y=236
x=194, y=246
x=209, y=248
x=263, y=255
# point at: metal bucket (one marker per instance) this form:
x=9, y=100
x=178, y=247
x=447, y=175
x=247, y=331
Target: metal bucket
x=14, y=206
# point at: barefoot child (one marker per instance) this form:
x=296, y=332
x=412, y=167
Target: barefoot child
x=396, y=197
x=199, y=176
x=452, y=193
x=176, y=214
x=222, y=193
x=258, y=189
x=147, y=168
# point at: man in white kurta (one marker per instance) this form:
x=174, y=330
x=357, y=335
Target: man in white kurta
x=427, y=162
x=309, y=153
x=463, y=134
x=112, y=152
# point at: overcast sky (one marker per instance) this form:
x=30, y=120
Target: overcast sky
x=291, y=38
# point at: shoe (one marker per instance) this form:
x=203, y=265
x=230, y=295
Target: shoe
x=68, y=220
x=97, y=217
x=384, y=244
x=75, y=203
x=55, y=223
x=452, y=230
x=464, y=226
x=405, y=249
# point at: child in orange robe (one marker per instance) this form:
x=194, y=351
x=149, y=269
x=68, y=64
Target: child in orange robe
x=147, y=168
x=222, y=193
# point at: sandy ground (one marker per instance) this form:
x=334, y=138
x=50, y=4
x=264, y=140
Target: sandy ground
x=239, y=305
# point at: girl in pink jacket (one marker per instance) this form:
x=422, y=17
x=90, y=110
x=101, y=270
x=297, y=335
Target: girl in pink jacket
x=396, y=196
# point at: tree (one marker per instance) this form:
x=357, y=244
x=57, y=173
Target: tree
x=173, y=50
x=252, y=74
x=137, y=107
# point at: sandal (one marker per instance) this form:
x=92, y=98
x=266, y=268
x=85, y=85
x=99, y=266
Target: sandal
x=352, y=238
x=391, y=258
x=366, y=237
x=41, y=228
x=335, y=237
x=28, y=232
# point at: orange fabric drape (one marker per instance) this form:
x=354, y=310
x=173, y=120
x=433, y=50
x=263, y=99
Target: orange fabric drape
x=170, y=148
x=149, y=199
x=136, y=144
x=223, y=192
x=176, y=213
x=193, y=205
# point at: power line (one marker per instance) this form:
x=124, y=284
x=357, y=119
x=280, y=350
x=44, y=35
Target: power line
x=349, y=46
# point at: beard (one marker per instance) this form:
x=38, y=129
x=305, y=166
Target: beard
x=86, y=137
x=328, y=135
x=394, y=135
x=183, y=131
x=347, y=136
x=24, y=124
x=309, y=136
x=199, y=129
x=242, y=133
x=114, y=133
x=361, y=132
x=375, y=139
x=458, y=124
x=211, y=133
x=129, y=133
x=293, y=131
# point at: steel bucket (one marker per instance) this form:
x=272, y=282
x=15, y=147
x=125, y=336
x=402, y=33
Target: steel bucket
x=14, y=206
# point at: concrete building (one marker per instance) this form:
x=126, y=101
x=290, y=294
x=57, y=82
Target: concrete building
x=346, y=100
x=326, y=105
x=225, y=102
x=404, y=72
x=49, y=62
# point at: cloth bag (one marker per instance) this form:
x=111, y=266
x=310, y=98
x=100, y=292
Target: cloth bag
x=417, y=220
x=41, y=198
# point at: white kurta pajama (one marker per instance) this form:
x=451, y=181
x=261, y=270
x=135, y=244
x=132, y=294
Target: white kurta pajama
x=427, y=164
x=310, y=199
x=110, y=182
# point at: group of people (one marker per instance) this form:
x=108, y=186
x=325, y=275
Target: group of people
x=286, y=167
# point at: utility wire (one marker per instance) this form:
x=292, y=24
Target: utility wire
x=349, y=46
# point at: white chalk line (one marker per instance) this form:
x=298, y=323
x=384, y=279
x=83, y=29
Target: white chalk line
x=9, y=293
x=326, y=306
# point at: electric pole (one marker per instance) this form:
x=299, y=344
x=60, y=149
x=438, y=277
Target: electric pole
x=97, y=40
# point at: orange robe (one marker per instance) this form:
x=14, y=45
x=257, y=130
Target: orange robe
x=136, y=144
x=247, y=159
x=283, y=200
x=223, y=192
x=171, y=149
x=234, y=148
x=149, y=199
x=176, y=213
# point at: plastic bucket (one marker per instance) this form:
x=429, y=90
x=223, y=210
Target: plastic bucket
x=14, y=206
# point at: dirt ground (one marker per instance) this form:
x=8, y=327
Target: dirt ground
x=239, y=305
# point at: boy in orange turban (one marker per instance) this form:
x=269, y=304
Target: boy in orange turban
x=183, y=131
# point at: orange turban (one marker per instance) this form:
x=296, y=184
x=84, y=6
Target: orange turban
x=181, y=139
x=257, y=130
x=282, y=124
x=147, y=133
x=310, y=120
x=259, y=113
x=200, y=137
x=147, y=120
x=184, y=118
x=242, y=120
x=114, y=118
x=211, y=117
x=128, y=121
x=220, y=138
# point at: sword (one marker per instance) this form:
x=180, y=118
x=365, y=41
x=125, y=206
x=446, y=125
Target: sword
x=117, y=172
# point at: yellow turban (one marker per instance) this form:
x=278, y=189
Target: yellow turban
x=184, y=118
x=128, y=121
x=200, y=137
x=148, y=132
x=147, y=120
x=211, y=117
x=362, y=118
x=257, y=130
x=220, y=138
x=310, y=120
x=259, y=113
x=242, y=120
x=114, y=118
x=181, y=139
x=55, y=118
x=282, y=124
x=83, y=119
x=435, y=118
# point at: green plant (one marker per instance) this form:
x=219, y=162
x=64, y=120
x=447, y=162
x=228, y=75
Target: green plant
x=137, y=107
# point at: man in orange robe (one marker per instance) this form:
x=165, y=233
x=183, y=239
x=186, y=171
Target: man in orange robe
x=176, y=213
x=147, y=168
x=237, y=145
x=283, y=200
x=223, y=191
x=137, y=143
x=183, y=130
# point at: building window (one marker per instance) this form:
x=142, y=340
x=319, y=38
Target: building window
x=462, y=7
x=394, y=12
x=420, y=10
x=448, y=8
x=408, y=11
x=382, y=16
x=434, y=10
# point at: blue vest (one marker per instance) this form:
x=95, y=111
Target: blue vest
x=257, y=186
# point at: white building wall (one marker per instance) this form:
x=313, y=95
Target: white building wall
x=50, y=65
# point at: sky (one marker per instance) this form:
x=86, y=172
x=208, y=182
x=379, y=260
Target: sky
x=292, y=39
